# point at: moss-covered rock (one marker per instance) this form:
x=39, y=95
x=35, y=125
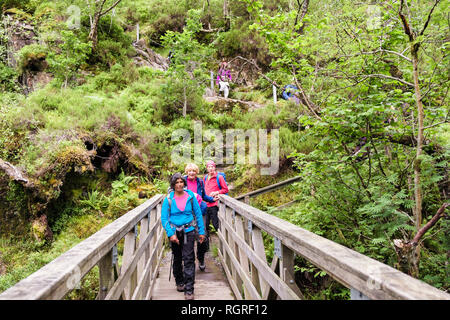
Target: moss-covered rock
x=40, y=229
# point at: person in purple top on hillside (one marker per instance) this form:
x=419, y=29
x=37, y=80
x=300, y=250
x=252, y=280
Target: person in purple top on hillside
x=223, y=75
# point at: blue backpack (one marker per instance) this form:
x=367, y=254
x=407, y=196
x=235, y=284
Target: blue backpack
x=218, y=182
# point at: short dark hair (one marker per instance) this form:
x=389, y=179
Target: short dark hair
x=174, y=179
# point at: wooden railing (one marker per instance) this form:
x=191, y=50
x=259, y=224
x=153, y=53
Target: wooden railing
x=134, y=279
x=243, y=257
x=267, y=189
x=241, y=251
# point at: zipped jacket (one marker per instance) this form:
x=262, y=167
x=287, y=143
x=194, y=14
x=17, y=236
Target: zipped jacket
x=201, y=190
x=211, y=185
x=180, y=218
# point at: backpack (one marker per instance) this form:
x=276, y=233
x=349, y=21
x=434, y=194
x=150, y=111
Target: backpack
x=217, y=177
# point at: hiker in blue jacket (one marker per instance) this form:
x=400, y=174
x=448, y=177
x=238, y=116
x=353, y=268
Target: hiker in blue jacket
x=181, y=216
x=195, y=184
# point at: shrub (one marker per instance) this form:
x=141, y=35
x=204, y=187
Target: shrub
x=31, y=57
x=8, y=77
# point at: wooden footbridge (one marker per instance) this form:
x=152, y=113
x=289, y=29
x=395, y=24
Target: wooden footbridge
x=132, y=262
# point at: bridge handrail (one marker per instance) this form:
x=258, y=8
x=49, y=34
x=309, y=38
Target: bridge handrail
x=268, y=188
x=57, y=278
x=354, y=270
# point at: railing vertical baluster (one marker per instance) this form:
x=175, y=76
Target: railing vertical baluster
x=153, y=218
x=232, y=244
x=221, y=214
x=143, y=260
x=243, y=259
x=357, y=295
x=157, y=231
x=157, y=243
x=258, y=246
x=287, y=269
x=106, y=275
x=128, y=251
x=227, y=239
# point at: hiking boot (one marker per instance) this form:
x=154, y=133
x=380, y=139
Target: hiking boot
x=189, y=296
x=202, y=266
x=180, y=287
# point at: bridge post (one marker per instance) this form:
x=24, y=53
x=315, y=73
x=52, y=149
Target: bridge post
x=153, y=219
x=142, y=236
x=106, y=275
x=258, y=246
x=357, y=295
x=221, y=215
x=287, y=269
x=128, y=251
x=243, y=259
x=160, y=244
x=234, y=248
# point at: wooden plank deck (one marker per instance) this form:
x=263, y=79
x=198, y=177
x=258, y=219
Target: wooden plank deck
x=210, y=284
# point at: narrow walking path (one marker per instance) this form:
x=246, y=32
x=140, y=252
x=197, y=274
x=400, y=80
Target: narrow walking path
x=210, y=284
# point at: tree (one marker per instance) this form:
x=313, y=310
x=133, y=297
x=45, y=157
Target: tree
x=190, y=58
x=415, y=43
x=96, y=11
x=357, y=85
x=69, y=55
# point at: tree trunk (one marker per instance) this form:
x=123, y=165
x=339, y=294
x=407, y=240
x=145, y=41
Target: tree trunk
x=412, y=35
x=417, y=162
x=93, y=34
x=226, y=15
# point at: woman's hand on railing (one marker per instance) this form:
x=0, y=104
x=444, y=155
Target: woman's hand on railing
x=201, y=238
x=215, y=195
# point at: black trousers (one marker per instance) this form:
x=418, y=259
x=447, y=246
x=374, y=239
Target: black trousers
x=202, y=248
x=212, y=216
x=184, y=261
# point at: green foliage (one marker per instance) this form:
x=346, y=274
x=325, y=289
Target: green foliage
x=8, y=78
x=95, y=200
x=3, y=41
x=72, y=54
x=27, y=5
x=241, y=40
x=188, y=68
x=362, y=200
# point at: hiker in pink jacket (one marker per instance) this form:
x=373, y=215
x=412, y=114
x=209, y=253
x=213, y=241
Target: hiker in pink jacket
x=212, y=189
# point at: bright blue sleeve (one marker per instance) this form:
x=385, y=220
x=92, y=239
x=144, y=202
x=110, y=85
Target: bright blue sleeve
x=199, y=218
x=165, y=218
